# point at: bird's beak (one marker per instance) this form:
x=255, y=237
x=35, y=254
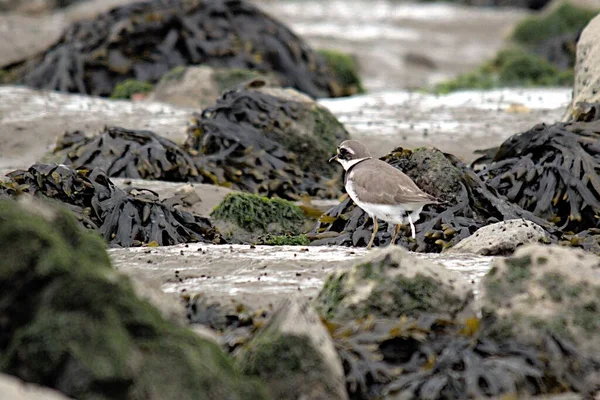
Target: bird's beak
x=333, y=158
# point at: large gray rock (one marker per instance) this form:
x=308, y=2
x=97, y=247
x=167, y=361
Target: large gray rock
x=587, y=69
x=545, y=289
x=201, y=86
x=12, y=388
x=501, y=238
x=391, y=282
x=295, y=355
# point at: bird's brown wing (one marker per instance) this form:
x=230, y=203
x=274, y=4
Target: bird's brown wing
x=383, y=184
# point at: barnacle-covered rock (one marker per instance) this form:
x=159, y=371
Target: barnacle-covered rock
x=468, y=205
x=124, y=218
x=126, y=153
x=552, y=171
x=244, y=217
x=391, y=283
x=270, y=142
x=293, y=353
x=501, y=238
x=145, y=40
x=71, y=322
x=533, y=293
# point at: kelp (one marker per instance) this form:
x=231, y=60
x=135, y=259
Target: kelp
x=467, y=204
x=266, y=145
x=145, y=40
x=124, y=218
x=431, y=357
x=126, y=153
x=552, y=171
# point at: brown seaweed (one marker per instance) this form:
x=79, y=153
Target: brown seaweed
x=145, y=40
x=468, y=205
x=552, y=171
x=249, y=140
x=430, y=357
x=125, y=153
x=131, y=218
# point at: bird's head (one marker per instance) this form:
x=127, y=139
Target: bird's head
x=350, y=152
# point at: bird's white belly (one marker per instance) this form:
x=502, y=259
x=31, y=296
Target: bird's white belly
x=396, y=213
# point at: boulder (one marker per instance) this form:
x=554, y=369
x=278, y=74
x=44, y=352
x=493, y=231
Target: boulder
x=15, y=389
x=545, y=290
x=586, y=88
x=201, y=86
x=295, y=355
x=244, y=218
x=69, y=321
x=501, y=238
x=391, y=283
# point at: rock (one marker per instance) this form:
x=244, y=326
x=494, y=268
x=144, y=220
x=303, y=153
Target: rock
x=70, y=321
x=92, y=57
x=201, y=86
x=547, y=291
x=294, y=354
x=129, y=88
x=244, y=218
x=267, y=141
x=393, y=283
x=587, y=71
x=501, y=238
x=346, y=71
x=15, y=389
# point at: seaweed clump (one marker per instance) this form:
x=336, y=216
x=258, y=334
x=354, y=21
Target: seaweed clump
x=131, y=218
x=267, y=144
x=130, y=87
x=126, y=153
x=69, y=321
x=551, y=171
x=145, y=40
x=468, y=204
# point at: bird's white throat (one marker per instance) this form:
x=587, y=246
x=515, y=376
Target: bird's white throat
x=349, y=163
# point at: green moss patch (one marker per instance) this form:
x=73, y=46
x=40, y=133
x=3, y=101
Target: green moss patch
x=512, y=67
x=129, y=87
x=345, y=70
x=230, y=78
x=285, y=240
x=71, y=322
x=251, y=212
x=566, y=18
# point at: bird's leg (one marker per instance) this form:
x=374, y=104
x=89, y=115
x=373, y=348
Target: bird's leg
x=412, y=227
x=396, y=229
x=375, y=229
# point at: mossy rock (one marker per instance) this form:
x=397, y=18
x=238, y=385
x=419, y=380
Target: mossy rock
x=543, y=290
x=295, y=356
x=345, y=71
x=566, y=18
x=392, y=283
x=512, y=67
x=284, y=240
x=71, y=322
x=244, y=217
x=129, y=87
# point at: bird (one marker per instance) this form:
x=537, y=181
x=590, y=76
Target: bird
x=379, y=189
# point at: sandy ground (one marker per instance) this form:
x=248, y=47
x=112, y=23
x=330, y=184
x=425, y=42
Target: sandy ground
x=258, y=275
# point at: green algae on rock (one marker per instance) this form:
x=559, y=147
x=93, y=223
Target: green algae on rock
x=293, y=353
x=131, y=218
x=468, y=205
x=270, y=142
x=244, y=217
x=71, y=322
x=392, y=283
x=511, y=67
x=284, y=240
x=129, y=87
x=345, y=69
x=93, y=56
x=126, y=153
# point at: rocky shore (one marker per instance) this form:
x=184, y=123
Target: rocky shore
x=171, y=228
